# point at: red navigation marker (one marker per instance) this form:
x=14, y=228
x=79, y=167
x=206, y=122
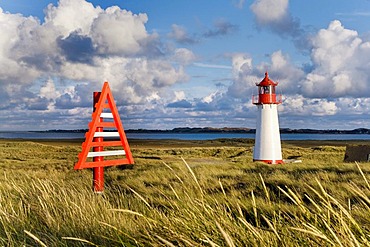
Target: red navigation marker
x=104, y=117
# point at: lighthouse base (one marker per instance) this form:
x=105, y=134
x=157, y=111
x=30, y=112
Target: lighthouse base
x=273, y=162
x=267, y=146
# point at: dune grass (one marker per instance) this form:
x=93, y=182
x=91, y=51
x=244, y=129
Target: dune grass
x=183, y=196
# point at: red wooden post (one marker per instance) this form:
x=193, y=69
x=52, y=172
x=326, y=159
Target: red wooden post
x=98, y=172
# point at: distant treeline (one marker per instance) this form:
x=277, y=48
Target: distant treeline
x=230, y=130
x=248, y=130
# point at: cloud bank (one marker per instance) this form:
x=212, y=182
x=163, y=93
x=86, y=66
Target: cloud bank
x=49, y=68
x=80, y=43
x=334, y=87
x=341, y=60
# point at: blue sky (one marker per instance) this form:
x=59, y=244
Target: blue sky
x=184, y=63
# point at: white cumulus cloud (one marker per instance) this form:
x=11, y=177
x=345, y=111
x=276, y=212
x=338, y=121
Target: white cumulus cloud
x=117, y=31
x=78, y=42
x=270, y=11
x=72, y=15
x=340, y=60
x=274, y=16
x=298, y=105
x=184, y=56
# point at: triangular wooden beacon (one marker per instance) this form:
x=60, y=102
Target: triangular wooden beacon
x=104, y=105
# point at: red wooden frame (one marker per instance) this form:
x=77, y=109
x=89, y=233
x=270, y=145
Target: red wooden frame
x=106, y=100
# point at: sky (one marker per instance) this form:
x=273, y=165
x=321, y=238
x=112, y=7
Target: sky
x=184, y=63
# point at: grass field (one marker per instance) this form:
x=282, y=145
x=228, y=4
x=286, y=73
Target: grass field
x=184, y=193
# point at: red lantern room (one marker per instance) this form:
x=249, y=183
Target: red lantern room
x=266, y=92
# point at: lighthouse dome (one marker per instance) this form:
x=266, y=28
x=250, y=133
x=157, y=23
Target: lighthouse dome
x=266, y=92
x=267, y=81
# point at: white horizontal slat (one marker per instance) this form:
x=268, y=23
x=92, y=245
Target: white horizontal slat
x=106, y=153
x=106, y=115
x=106, y=134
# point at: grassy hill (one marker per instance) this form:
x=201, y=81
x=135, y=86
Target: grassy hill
x=184, y=193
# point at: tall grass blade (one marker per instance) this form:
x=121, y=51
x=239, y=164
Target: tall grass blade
x=354, y=241
x=166, y=242
x=222, y=187
x=133, y=213
x=210, y=242
x=294, y=198
x=142, y=198
x=193, y=175
x=226, y=236
x=330, y=229
x=287, y=194
x=272, y=227
x=327, y=202
x=265, y=189
x=347, y=214
x=118, y=230
x=355, y=189
x=251, y=228
x=318, y=208
x=178, y=178
x=254, y=204
x=363, y=175
x=128, y=211
x=35, y=238
x=174, y=192
x=79, y=240
x=314, y=232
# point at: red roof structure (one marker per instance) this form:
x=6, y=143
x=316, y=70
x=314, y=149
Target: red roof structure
x=267, y=81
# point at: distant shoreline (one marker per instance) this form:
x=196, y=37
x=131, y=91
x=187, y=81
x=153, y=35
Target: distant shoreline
x=219, y=130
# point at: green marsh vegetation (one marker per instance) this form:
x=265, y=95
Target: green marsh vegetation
x=184, y=194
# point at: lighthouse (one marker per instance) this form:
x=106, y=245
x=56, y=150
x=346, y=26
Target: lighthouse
x=267, y=147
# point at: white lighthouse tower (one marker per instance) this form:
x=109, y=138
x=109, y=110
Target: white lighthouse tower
x=267, y=147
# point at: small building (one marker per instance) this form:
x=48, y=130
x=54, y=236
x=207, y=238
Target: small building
x=359, y=153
